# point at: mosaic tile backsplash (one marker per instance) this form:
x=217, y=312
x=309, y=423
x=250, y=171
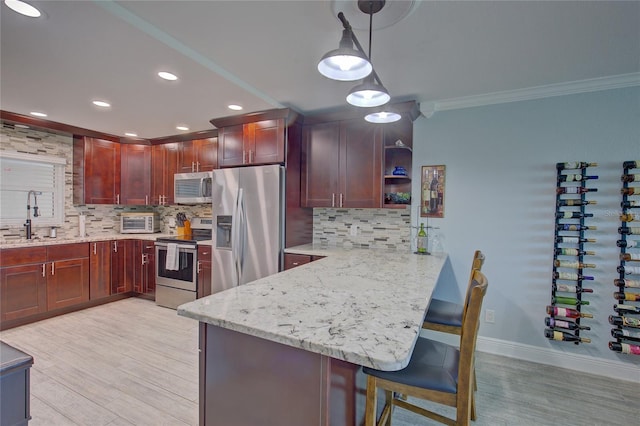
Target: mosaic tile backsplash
x=376, y=228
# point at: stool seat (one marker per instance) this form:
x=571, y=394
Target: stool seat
x=433, y=365
x=444, y=312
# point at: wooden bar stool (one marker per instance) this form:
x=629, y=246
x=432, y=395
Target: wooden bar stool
x=437, y=372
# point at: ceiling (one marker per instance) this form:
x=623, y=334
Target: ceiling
x=263, y=55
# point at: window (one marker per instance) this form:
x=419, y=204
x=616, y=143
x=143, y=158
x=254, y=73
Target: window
x=21, y=173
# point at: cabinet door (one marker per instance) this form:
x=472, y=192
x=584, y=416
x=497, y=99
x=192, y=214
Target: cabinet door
x=135, y=163
x=164, y=160
x=360, y=164
x=67, y=283
x=101, y=171
x=320, y=165
x=231, y=146
x=99, y=270
x=23, y=291
x=266, y=142
x=118, y=282
x=204, y=271
x=133, y=266
x=207, y=154
x=188, y=157
x=148, y=268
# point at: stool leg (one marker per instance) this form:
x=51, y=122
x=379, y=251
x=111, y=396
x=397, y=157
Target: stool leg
x=371, y=402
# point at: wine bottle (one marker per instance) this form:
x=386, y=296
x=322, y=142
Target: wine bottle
x=568, y=301
x=574, y=252
x=620, y=333
x=565, y=337
x=574, y=178
x=566, y=312
x=624, y=321
x=630, y=178
x=625, y=282
x=569, y=325
x=630, y=257
x=572, y=215
x=628, y=270
x=571, y=288
x=629, y=204
x=422, y=240
x=630, y=191
x=571, y=202
x=626, y=309
x=629, y=230
x=574, y=165
x=631, y=164
x=629, y=217
x=571, y=264
x=624, y=348
x=627, y=243
x=574, y=240
x=630, y=297
x=571, y=276
x=574, y=227
x=574, y=190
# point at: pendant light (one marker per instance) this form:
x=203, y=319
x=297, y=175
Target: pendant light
x=345, y=63
x=383, y=116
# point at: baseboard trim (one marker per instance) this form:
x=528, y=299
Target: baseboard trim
x=586, y=364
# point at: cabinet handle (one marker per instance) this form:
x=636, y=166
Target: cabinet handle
x=146, y=199
x=244, y=157
x=198, y=267
x=115, y=246
x=193, y=166
x=95, y=248
x=149, y=247
x=144, y=259
x=204, y=253
x=43, y=269
x=333, y=200
x=53, y=268
x=250, y=156
x=117, y=198
x=296, y=263
x=197, y=166
x=341, y=200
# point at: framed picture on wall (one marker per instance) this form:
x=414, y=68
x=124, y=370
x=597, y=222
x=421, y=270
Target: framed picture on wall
x=432, y=191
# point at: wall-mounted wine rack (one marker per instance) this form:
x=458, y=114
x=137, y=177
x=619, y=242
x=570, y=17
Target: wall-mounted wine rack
x=567, y=291
x=627, y=307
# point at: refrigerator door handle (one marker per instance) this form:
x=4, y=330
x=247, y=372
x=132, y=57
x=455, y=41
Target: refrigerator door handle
x=242, y=232
x=234, y=240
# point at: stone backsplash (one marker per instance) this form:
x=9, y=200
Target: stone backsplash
x=376, y=228
x=101, y=219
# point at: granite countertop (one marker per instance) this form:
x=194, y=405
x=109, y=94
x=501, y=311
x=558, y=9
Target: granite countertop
x=362, y=306
x=47, y=241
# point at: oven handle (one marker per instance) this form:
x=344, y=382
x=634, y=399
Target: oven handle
x=181, y=247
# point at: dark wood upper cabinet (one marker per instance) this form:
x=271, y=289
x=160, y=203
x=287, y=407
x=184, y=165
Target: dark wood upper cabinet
x=135, y=164
x=342, y=164
x=199, y=155
x=164, y=164
x=96, y=171
x=261, y=142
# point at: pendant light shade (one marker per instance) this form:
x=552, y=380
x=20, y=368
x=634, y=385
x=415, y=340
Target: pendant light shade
x=345, y=63
x=383, y=116
x=368, y=94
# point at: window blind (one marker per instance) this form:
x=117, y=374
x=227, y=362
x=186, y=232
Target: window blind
x=21, y=173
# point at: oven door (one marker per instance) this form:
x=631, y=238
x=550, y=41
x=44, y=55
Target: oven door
x=185, y=277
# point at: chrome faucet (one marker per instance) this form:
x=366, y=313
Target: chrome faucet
x=35, y=210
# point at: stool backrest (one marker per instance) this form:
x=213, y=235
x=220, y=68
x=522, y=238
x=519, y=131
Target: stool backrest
x=470, y=325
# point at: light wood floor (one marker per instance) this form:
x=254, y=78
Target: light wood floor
x=133, y=363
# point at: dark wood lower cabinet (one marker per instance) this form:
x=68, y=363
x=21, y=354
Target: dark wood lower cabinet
x=68, y=283
x=204, y=271
x=23, y=291
x=148, y=269
x=99, y=269
x=291, y=260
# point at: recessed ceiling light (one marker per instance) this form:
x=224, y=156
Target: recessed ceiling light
x=182, y=128
x=235, y=107
x=133, y=135
x=23, y=8
x=167, y=76
x=38, y=114
x=102, y=104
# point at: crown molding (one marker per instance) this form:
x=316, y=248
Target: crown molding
x=538, y=92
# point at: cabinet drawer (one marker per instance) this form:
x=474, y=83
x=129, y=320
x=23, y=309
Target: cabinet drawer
x=23, y=256
x=67, y=251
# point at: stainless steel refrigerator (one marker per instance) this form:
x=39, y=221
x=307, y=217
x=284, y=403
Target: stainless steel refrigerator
x=248, y=235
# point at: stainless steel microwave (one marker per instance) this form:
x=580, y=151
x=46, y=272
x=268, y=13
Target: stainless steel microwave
x=192, y=188
x=139, y=223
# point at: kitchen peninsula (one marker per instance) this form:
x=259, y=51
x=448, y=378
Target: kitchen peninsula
x=286, y=349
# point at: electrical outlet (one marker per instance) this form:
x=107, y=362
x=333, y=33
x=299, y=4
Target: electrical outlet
x=490, y=316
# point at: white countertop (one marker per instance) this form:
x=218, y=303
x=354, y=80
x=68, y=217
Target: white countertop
x=47, y=241
x=361, y=306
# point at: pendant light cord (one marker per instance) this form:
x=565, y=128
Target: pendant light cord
x=370, y=27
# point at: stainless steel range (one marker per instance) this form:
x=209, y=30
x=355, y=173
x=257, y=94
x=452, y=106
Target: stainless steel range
x=176, y=264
